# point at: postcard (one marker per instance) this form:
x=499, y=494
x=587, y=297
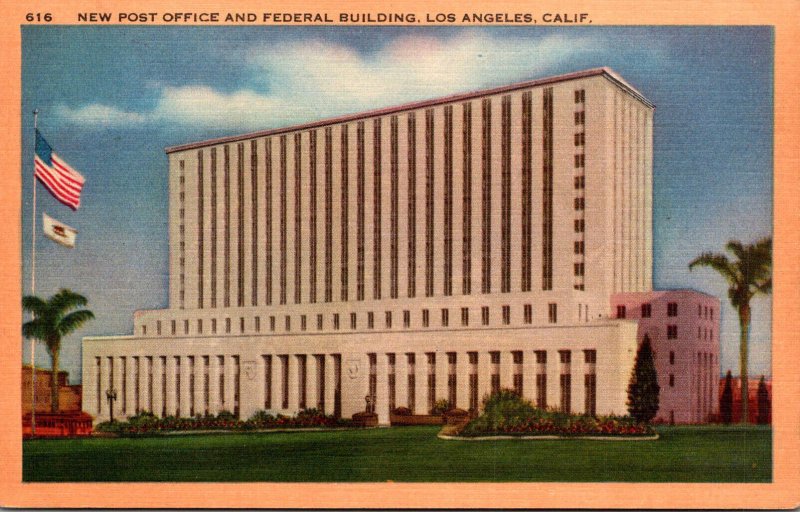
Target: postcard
x=370, y=255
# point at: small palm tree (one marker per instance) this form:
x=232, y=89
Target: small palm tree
x=750, y=274
x=52, y=320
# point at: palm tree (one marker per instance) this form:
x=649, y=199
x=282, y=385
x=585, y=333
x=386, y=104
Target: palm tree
x=52, y=320
x=750, y=274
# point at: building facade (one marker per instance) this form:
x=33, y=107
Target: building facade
x=440, y=249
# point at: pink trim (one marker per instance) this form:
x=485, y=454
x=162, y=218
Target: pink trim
x=604, y=71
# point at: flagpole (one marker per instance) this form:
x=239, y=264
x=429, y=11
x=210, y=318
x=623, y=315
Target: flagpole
x=33, y=286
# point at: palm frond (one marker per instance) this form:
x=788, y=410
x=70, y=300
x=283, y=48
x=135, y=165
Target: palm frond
x=36, y=329
x=74, y=320
x=66, y=300
x=720, y=263
x=34, y=304
x=736, y=248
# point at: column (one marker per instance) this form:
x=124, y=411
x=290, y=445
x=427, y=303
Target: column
x=462, y=375
x=484, y=376
x=441, y=363
x=118, y=387
x=579, y=369
x=529, y=375
x=330, y=384
x=293, y=391
x=214, y=400
x=553, y=379
x=506, y=370
x=247, y=223
x=421, y=374
x=158, y=371
x=312, y=378
x=401, y=377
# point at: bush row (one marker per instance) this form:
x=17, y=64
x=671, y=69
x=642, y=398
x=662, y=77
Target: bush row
x=148, y=423
x=505, y=413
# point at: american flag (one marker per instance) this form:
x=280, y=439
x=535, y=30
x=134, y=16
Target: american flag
x=64, y=182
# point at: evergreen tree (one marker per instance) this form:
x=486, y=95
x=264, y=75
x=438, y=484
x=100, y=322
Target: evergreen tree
x=726, y=400
x=764, y=405
x=643, y=388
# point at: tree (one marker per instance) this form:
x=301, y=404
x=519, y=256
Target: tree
x=749, y=275
x=53, y=319
x=643, y=388
x=764, y=405
x=726, y=400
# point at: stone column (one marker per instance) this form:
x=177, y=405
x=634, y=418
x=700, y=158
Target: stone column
x=382, y=392
x=529, y=375
x=401, y=379
x=441, y=375
x=506, y=370
x=312, y=381
x=421, y=378
x=293, y=390
x=462, y=377
x=330, y=384
x=214, y=398
x=484, y=376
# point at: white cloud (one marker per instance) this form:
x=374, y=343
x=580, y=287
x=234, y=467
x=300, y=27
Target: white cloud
x=308, y=80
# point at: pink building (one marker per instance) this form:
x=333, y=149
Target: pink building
x=683, y=327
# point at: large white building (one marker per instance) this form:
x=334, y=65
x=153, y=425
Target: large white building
x=439, y=249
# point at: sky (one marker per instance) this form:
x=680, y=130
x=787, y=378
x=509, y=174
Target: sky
x=112, y=98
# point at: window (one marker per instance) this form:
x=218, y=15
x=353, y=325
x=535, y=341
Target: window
x=552, y=313
x=144, y=330
x=465, y=316
x=473, y=381
x=517, y=360
x=485, y=315
x=336, y=321
x=590, y=356
x=406, y=318
x=241, y=324
x=620, y=311
x=257, y=324
x=647, y=310
x=580, y=181
x=541, y=379
x=288, y=323
x=700, y=311
x=672, y=309
x=412, y=381
x=580, y=203
x=580, y=225
x=671, y=357
x=579, y=247
x=272, y=323
x=267, y=381
x=580, y=96
x=506, y=315
x=352, y=320
x=227, y=325
x=672, y=332
x=528, y=313
x=671, y=380
x=431, y=380
x=213, y=326
x=425, y=318
x=445, y=317
x=494, y=359
x=566, y=380
x=388, y=319
x=319, y=322
x=391, y=381
x=580, y=117
x=373, y=381
x=580, y=139
x=711, y=313
x=370, y=320
x=303, y=322
x=451, y=379
x=579, y=269
x=173, y=327
x=158, y=328
x=705, y=312
x=580, y=162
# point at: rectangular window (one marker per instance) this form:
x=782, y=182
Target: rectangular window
x=412, y=205
x=312, y=189
x=241, y=324
x=360, y=213
x=466, y=228
x=206, y=385
x=429, y=201
x=336, y=321
x=672, y=309
x=388, y=319
x=486, y=199
x=552, y=313
x=580, y=96
x=672, y=332
x=406, y=318
x=173, y=327
x=257, y=324
x=221, y=382
x=448, y=201
x=394, y=205
x=445, y=317
x=288, y=323
x=431, y=356
x=590, y=393
x=298, y=215
x=473, y=382
x=319, y=321
x=671, y=380
x=303, y=323
x=565, y=379
x=227, y=325
x=506, y=315
x=136, y=376
x=158, y=328
x=517, y=360
x=426, y=318
x=352, y=320
x=580, y=225
x=320, y=379
x=213, y=326
x=671, y=357
x=412, y=381
x=647, y=310
x=144, y=330
x=370, y=320
x=465, y=316
x=390, y=359
x=579, y=247
x=377, y=193
x=547, y=189
x=328, y=214
x=580, y=139
x=177, y=386
x=621, y=311
x=267, y=381
x=494, y=359
x=272, y=323
x=343, y=204
x=528, y=313
x=186, y=327
x=485, y=315
x=284, y=381
x=301, y=381
x=451, y=380
x=580, y=117
x=505, y=197
x=580, y=203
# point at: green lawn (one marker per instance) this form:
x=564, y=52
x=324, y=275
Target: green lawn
x=682, y=454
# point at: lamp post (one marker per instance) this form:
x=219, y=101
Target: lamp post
x=111, y=395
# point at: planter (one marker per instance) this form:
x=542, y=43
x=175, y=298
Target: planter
x=365, y=419
x=415, y=419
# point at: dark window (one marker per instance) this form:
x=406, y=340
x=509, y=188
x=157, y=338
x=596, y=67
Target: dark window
x=445, y=317
x=303, y=323
x=388, y=319
x=425, y=318
x=671, y=357
x=647, y=310
x=485, y=315
x=336, y=321
x=506, y=315
x=464, y=316
x=552, y=313
x=671, y=380
x=370, y=320
x=672, y=332
x=672, y=309
x=528, y=313
x=406, y=318
x=621, y=311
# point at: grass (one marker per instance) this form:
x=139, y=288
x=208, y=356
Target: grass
x=405, y=454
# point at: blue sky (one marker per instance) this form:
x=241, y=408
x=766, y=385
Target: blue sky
x=111, y=98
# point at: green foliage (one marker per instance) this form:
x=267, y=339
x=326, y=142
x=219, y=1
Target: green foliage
x=643, y=388
x=726, y=400
x=226, y=416
x=441, y=406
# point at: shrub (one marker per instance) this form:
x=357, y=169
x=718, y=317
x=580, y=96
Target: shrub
x=402, y=411
x=441, y=406
x=226, y=416
x=726, y=400
x=643, y=388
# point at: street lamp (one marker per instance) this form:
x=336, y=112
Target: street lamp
x=111, y=395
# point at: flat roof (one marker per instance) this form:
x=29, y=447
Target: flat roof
x=606, y=72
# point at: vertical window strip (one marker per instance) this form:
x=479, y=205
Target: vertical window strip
x=505, y=208
x=227, y=225
x=526, y=190
x=182, y=236
x=200, y=229
x=486, y=213
x=377, y=187
x=580, y=192
x=429, y=201
x=213, y=227
x=312, y=186
x=240, y=225
x=547, y=191
x=448, y=200
x=466, y=278
x=360, y=210
x=412, y=205
x=328, y=214
x=268, y=220
x=394, y=192
x=298, y=218
x=282, y=195
x=344, y=206
x=254, y=221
